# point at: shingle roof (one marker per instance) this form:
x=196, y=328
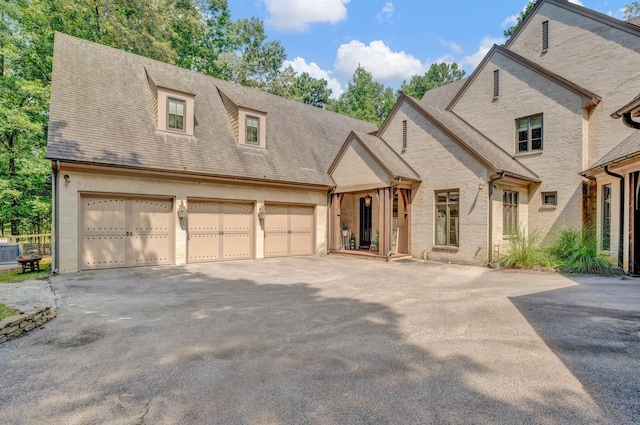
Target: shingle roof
x=387, y=157
x=627, y=149
x=102, y=113
x=473, y=140
x=441, y=97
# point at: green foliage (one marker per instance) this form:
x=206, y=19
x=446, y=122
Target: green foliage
x=301, y=87
x=524, y=251
x=438, y=75
x=632, y=10
x=6, y=311
x=521, y=17
x=577, y=252
x=364, y=98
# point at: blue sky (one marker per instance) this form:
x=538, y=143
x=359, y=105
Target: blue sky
x=392, y=39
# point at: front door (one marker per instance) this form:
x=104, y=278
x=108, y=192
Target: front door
x=365, y=223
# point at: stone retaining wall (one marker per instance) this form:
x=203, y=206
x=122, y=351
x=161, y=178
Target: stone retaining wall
x=14, y=326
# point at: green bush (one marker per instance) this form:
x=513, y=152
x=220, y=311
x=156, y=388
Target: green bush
x=524, y=252
x=577, y=252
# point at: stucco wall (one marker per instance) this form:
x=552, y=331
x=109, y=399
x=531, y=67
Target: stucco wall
x=442, y=164
x=524, y=93
x=180, y=190
x=592, y=54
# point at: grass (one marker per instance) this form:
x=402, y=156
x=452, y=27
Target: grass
x=16, y=275
x=524, y=252
x=6, y=311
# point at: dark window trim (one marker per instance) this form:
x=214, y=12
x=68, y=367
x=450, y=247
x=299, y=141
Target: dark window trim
x=510, y=204
x=246, y=130
x=496, y=83
x=529, y=138
x=184, y=115
x=545, y=36
x=606, y=217
x=549, y=204
x=448, y=204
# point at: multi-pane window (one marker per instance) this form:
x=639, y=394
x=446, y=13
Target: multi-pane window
x=509, y=213
x=447, y=217
x=606, y=217
x=253, y=131
x=176, y=112
x=529, y=134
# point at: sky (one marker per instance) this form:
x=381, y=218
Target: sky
x=392, y=39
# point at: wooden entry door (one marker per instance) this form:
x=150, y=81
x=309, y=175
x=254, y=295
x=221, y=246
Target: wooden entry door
x=119, y=231
x=365, y=223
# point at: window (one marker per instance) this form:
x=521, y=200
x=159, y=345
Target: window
x=404, y=135
x=509, y=213
x=447, y=217
x=496, y=83
x=549, y=198
x=529, y=137
x=606, y=217
x=545, y=36
x=252, y=135
x=176, y=112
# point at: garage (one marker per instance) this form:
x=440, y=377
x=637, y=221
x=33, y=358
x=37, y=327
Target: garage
x=122, y=231
x=219, y=230
x=288, y=230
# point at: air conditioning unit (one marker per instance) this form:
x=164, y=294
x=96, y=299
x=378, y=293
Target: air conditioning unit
x=9, y=252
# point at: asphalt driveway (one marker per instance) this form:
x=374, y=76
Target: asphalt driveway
x=328, y=341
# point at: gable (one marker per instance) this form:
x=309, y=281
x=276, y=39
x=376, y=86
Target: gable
x=357, y=169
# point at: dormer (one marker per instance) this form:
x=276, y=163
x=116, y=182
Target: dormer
x=175, y=109
x=249, y=125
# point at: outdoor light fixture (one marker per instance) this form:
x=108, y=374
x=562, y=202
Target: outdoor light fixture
x=262, y=212
x=182, y=211
x=67, y=179
x=367, y=201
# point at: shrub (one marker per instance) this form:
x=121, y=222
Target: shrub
x=524, y=251
x=577, y=252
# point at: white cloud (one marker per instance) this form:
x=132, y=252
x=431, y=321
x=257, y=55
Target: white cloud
x=451, y=45
x=300, y=65
x=386, y=13
x=487, y=43
x=378, y=59
x=296, y=15
x=578, y=2
x=510, y=21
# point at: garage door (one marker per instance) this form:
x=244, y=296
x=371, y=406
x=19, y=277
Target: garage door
x=119, y=231
x=219, y=230
x=288, y=230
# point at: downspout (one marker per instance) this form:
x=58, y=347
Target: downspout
x=621, y=226
x=56, y=227
x=330, y=219
x=500, y=176
x=626, y=119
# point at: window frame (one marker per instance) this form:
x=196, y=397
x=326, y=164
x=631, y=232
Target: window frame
x=447, y=204
x=496, y=83
x=605, y=222
x=510, y=212
x=184, y=115
x=255, y=142
x=530, y=138
x=548, y=204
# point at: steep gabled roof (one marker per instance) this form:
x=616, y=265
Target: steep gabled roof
x=626, y=26
x=628, y=149
x=467, y=137
x=441, y=97
x=591, y=99
x=102, y=112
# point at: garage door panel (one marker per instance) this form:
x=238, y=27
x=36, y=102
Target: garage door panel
x=204, y=248
x=104, y=215
x=301, y=244
x=289, y=230
x=101, y=252
x=277, y=219
x=147, y=250
x=204, y=217
x=276, y=244
x=237, y=246
x=151, y=216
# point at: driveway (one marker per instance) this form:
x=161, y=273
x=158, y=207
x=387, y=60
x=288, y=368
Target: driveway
x=328, y=341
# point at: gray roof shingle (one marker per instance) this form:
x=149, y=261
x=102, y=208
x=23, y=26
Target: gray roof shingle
x=102, y=113
x=388, y=158
x=627, y=149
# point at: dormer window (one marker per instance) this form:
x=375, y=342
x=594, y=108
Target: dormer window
x=252, y=130
x=176, y=112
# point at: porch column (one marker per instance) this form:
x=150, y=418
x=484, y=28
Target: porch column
x=381, y=221
x=335, y=222
x=407, y=193
x=388, y=214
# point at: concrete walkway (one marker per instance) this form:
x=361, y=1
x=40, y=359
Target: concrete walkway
x=318, y=341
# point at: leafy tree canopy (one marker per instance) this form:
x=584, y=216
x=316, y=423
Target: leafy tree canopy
x=521, y=17
x=632, y=10
x=438, y=75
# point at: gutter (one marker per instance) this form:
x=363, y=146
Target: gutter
x=629, y=122
x=621, y=226
x=55, y=165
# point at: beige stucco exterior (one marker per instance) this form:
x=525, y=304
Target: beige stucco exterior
x=85, y=180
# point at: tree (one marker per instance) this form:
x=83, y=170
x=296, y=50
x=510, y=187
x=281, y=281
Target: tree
x=438, y=75
x=521, y=17
x=632, y=10
x=301, y=87
x=364, y=99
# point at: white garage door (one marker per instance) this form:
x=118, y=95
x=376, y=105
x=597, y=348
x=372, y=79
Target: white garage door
x=219, y=230
x=121, y=231
x=288, y=230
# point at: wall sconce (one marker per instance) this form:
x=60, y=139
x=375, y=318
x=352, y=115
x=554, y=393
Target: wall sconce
x=367, y=201
x=67, y=179
x=262, y=212
x=481, y=186
x=182, y=211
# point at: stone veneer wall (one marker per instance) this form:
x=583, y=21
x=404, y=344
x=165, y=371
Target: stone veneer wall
x=14, y=326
